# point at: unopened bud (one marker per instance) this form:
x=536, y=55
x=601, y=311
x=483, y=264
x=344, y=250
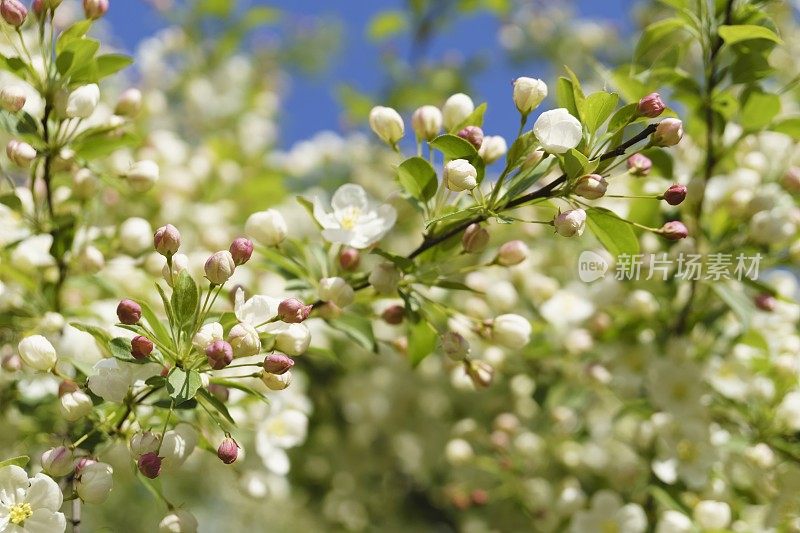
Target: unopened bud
x=591, y=186
x=475, y=239
x=149, y=465
x=384, y=278
x=228, y=451
x=512, y=253
x=480, y=372
x=95, y=9
x=221, y=392
x=11, y=363
x=460, y=175
x=267, y=227
x=528, y=94
x=675, y=195
x=129, y=312
x=493, y=148
x=387, y=124
x=639, y=165
x=219, y=267
x=144, y=442
x=219, y=354
x=241, y=250
x=57, y=462
x=349, y=258
x=766, y=302
x=791, y=180
x=75, y=405
x=67, y=386
x=91, y=260
x=336, y=290
x=142, y=175
x=674, y=230
x=129, y=103
x=13, y=98
x=394, y=314
x=669, y=132
x=651, y=106
x=456, y=110
x=167, y=240
x=276, y=382
x=427, y=122
x=244, y=340
x=473, y=135
x=293, y=311
x=14, y=12
x=570, y=223
x=141, y=347
x=278, y=364
x=455, y=346
x=20, y=153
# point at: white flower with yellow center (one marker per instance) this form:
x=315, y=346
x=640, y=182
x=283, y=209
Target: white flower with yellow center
x=355, y=220
x=29, y=505
x=608, y=514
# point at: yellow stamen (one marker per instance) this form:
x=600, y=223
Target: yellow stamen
x=20, y=512
x=350, y=218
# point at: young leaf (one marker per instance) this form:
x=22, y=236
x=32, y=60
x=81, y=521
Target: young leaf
x=599, y=106
x=182, y=384
x=745, y=32
x=473, y=119
x=575, y=164
x=20, y=460
x=185, y=299
x=418, y=178
x=156, y=325
x=613, y=232
x=357, y=328
x=759, y=110
x=422, y=338
x=565, y=96
x=216, y=404
x=454, y=147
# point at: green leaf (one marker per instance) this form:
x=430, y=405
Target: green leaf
x=422, y=339
x=162, y=333
x=565, y=96
x=109, y=64
x=418, y=178
x=735, y=299
x=120, y=348
x=453, y=285
x=745, y=32
x=473, y=119
x=520, y=149
x=238, y=386
x=614, y=233
x=658, y=36
x=101, y=336
x=577, y=94
x=216, y=404
x=182, y=384
x=358, y=328
x=76, y=54
x=788, y=126
x=11, y=201
x=575, y=164
x=599, y=106
x=71, y=34
x=20, y=461
x=454, y=147
x=386, y=24
x=622, y=117
x=759, y=110
x=185, y=299
x=403, y=263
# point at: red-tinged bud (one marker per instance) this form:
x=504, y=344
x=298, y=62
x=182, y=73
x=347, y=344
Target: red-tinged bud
x=241, y=250
x=149, y=465
x=674, y=230
x=676, y=194
x=512, y=253
x=14, y=12
x=278, y=364
x=38, y=7
x=11, y=363
x=766, y=302
x=651, y=106
x=82, y=463
x=394, y=314
x=472, y=134
x=219, y=354
x=66, y=386
x=639, y=165
x=95, y=9
x=167, y=240
x=228, y=451
x=293, y=311
x=220, y=391
x=349, y=258
x=141, y=347
x=165, y=371
x=129, y=312
x=475, y=239
x=479, y=497
x=480, y=372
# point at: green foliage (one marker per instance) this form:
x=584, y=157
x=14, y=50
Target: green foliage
x=182, y=385
x=614, y=233
x=418, y=178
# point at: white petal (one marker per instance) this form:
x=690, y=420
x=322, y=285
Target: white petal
x=44, y=493
x=45, y=521
x=350, y=195
x=257, y=310
x=326, y=220
x=341, y=236
x=13, y=480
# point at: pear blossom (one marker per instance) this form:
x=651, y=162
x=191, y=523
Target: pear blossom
x=29, y=505
x=558, y=131
x=261, y=312
x=355, y=220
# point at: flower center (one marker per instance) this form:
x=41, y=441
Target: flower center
x=350, y=217
x=19, y=513
x=686, y=451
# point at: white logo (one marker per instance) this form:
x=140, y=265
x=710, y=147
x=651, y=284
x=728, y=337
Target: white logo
x=591, y=266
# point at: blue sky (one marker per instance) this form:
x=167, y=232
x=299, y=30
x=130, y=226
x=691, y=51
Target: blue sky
x=311, y=106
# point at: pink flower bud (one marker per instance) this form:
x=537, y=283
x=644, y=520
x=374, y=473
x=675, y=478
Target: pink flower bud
x=20, y=153
x=480, y=373
x=82, y=463
x=394, y=314
x=220, y=391
x=512, y=253
x=129, y=312
x=149, y=465
x=293, y=311
x=676, y=194
x=475, y=239
x=167, y=240
x=11, y=363
x=219, y=267
x=669, y=132
x=674, y=230
x=791, y=180
x=277, y=363
x=228, y=451
x=141, y=347
x=591, y=186
x=66, y=386
x=241, y=250
x=219, y=354
x=639, y=165
x=349, y=258
x=95, y=9
x=473, y=134
x=14, y=12
x=57, y=462
x=766, y=302
x=38, y=7
x=651, y=106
